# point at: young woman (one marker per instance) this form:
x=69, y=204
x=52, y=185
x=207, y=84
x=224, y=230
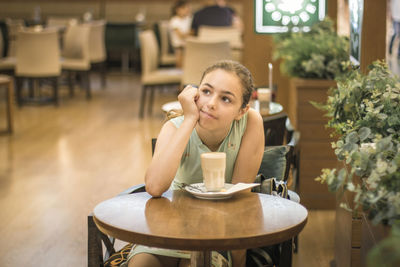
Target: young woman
x=216, y=117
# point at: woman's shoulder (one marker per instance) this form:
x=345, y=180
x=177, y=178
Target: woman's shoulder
x=254, y=114
x=254, y=117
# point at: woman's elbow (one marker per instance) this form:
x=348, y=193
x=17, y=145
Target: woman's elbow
x=153, y=187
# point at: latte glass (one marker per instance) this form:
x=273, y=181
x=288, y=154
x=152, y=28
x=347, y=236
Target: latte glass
x=213, y=165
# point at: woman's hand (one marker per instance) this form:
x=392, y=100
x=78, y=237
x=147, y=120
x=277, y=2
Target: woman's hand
x=188, y=98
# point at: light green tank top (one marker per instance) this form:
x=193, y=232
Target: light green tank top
x=189, y=170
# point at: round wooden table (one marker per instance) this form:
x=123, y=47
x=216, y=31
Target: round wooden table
x=178, y=220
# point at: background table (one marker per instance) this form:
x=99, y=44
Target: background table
x=179, y=221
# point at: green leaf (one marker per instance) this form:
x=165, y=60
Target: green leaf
x=352, y=138
x=363, y=133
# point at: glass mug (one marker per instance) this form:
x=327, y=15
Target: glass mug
x=264, y=96
x=213, y=165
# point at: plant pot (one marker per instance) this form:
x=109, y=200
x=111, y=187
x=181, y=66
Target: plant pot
x=316, y=151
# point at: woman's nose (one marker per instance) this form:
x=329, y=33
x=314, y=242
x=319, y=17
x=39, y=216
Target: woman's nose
x=212, y=102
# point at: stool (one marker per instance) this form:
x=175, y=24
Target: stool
x=7, y=82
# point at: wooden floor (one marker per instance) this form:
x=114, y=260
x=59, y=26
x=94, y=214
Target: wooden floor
x=62, y=161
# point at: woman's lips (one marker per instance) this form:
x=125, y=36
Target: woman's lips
x=208, y=114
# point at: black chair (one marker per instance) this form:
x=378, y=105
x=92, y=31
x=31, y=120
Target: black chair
x=275, y=129
x=96, y=239
x=122, y=39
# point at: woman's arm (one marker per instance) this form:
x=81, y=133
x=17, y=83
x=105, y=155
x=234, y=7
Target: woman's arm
x=251, y=150
x=171, y=143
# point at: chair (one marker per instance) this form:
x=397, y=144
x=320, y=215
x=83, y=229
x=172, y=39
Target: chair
x=37, y=57
x=199, y=55
x=166, y=57
x=152, y=76
x=231, y=34
x=275, y=129
x=7, y=83
x=13, y=27
x=7, y=65
x=75, y=55
x=97, y=48
x=122, y=40
x=8, y=37
x=96, y=239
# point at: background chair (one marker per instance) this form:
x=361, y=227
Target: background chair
x=13, y=27
x=97, y=48
x=231, y=34
x=75, y=56
x=152, y=76
x=275, y=129
x=167, y=57
x=7, y=83
x=8, y=43
x=37, y=57
x=199, y=55
x=122, y=41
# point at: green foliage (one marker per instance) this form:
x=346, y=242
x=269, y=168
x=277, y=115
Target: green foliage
x=387, y=252
x=315, y=54
x=364, y=110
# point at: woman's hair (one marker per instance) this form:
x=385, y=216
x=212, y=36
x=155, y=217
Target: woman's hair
x=178, y=4
x=239, y=70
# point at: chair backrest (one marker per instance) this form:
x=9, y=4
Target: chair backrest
x=276, y=162
x=76, y=42
x=13, y=27
x=149, y=53
x=165, y=40
x=97, y=48
x=38, y=54
x=121, y=36
x=214, y=33
x=275, y=129
x=199, y=55
x=1, y=44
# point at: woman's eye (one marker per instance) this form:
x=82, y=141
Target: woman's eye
x=226, y=99
x=206, y=91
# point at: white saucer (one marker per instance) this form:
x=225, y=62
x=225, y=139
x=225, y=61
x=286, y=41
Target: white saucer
x=198, y=190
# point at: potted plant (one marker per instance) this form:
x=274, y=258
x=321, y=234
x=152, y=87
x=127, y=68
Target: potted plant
x=364, y=112
x=316, y=54
x=312, y=60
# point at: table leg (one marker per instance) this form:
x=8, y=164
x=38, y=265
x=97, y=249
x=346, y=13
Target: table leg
x=286, y=254
x=200, y=259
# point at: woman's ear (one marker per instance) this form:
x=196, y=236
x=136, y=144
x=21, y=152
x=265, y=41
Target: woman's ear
x=242, y=111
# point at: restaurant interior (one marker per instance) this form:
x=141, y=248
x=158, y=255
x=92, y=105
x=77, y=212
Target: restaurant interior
x=85, y=86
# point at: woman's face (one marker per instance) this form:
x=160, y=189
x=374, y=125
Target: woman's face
x=220, y=99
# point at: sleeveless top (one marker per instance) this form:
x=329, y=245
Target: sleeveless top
x=189, y=170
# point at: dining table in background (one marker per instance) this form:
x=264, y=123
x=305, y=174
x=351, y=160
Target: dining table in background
x=178, y=220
